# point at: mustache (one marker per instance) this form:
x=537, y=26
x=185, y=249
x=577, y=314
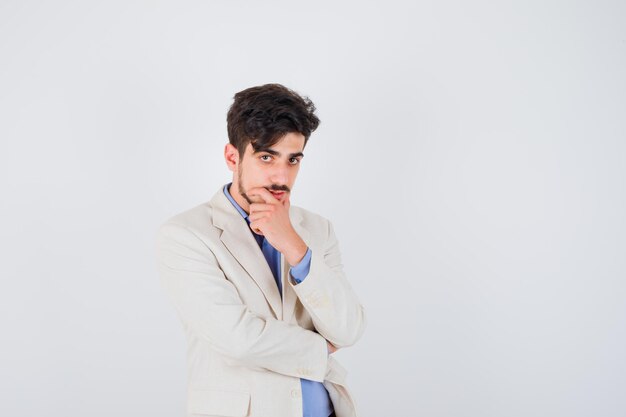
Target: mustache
x=275, y=187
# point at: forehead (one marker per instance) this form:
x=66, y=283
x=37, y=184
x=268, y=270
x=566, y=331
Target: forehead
x=290, y=143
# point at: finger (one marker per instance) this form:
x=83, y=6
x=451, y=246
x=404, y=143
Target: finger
x=264, y=194
x=287, y=203
x=255, y=228
x=257, y=207
x=256, y=216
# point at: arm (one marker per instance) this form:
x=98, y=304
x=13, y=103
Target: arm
x=325, y=293
x=209, y=306
x=328, y=297
x=299, y=272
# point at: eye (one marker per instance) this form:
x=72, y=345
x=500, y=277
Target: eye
x=294, y=161
x=266, y=158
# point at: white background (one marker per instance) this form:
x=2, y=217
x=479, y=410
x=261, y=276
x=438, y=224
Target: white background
x=471, y=157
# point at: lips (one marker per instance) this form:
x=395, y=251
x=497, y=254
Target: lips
x=277, y=194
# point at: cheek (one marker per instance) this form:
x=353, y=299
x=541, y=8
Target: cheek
x=254, y=174
x=293, y=174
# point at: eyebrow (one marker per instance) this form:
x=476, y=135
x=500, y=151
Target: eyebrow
x=276, y=153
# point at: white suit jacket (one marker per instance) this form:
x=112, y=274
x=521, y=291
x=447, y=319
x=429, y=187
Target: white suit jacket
x=247, y=347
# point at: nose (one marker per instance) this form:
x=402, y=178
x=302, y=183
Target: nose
x=280, y=175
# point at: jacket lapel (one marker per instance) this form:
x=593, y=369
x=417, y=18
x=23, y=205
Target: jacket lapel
x=238, y=239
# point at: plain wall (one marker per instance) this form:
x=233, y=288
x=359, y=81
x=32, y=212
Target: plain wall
x=471, y=158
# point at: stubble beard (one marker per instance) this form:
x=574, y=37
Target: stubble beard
x=240, y=188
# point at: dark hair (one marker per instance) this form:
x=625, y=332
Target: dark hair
x=263, y=115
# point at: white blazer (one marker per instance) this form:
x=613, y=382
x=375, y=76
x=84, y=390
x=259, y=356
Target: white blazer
x=247, y=347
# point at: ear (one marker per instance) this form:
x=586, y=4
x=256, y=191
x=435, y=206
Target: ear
x=231, y=155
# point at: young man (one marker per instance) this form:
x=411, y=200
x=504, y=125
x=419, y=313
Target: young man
x=258, y=284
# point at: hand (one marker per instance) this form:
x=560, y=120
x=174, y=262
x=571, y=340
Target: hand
x=270, y=218
x=331, y=348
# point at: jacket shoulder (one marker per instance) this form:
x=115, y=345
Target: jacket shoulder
x=195, y=219
x=310, y=220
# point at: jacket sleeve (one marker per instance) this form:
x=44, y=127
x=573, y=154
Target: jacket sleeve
x=328, y=297
x=209, y=306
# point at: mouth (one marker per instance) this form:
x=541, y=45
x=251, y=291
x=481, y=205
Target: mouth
x=278, y=194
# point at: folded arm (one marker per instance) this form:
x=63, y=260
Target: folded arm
x=326, y=294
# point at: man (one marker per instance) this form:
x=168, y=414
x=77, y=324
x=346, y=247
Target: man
x=258, y=284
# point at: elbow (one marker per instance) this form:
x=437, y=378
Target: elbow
x=352, y=331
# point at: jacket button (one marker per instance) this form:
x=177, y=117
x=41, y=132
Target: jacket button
x=295, y=393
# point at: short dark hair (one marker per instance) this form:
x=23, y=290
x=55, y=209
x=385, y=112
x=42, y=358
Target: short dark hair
x=263, y=115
